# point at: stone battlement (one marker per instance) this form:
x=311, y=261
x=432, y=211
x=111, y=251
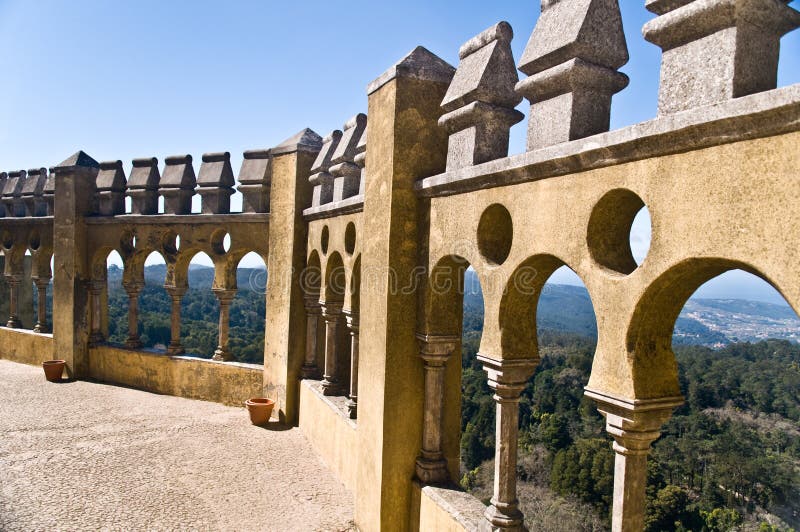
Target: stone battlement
x=367, y=233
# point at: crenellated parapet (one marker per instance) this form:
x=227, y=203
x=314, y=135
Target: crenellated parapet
x=177, y=185
x=111, y=189
x=321, y=178
x=346, y=173
x=215, y=182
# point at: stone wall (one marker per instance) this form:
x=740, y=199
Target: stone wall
x=367, y=233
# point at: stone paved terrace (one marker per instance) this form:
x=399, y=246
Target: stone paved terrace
x=81, y=456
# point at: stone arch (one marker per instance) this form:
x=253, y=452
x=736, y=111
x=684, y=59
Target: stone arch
x=442, y=311
x=519, y=304
x=354, y=291
x=334, y=282
x=654, y=370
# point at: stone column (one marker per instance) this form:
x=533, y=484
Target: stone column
x=225, y=297
x=310, y=370
x=96, y=287
x=331, y=380
x=352, y=326
x=133, y=290
x=435, y=351
x=176, y=294
x=41, y=304
x=507, y=378
x=634, y=427
x=13, y=282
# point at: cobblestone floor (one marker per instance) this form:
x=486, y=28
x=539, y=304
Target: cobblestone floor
x=85, y=456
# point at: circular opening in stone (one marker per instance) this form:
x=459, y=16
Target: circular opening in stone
x=495, y=234
x=170, y=243
x=34, y=241
x=220, y=242
x=127, y=242
x=324, y=239
x=8, y=240
x=619, y=231
x=350, y=238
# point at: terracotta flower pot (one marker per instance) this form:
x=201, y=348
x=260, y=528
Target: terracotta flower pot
x=260, y=409
x=53, y=369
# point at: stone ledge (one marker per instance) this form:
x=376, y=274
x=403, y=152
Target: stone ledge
x=336, y=208
x=26, y=220
x=759, y=115
x=447, y=509
x=196, y=218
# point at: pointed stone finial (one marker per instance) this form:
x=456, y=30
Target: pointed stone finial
x=12, y=193
x=215, y=181
x=111, y=188
x=320, y=177
x=715, y=50
x=346, y=173
x=305, y=140
x=177, y=184
x=361, y=160
x=49, y=193
x=3, y=181
x=143, y=186
x=572, y=59
x=78, y=159
x=33, y=192
x=480, y=100
x=255, y=178
x=417, y=64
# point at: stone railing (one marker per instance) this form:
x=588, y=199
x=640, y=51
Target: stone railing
x=366, y=249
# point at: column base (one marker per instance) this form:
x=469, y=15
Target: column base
x=222, y=355
x=352, y=409
x=432, y=471
x=330, y=387
x=133, y=343
x=503, y=517
x=175, y=349
x=14, y=323
x=41, y=329
x=309, y=372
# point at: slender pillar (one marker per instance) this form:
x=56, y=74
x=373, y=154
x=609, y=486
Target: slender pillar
x=352, y=327
x=133, y=289
x=225, y=297
x=310, y=369
x=634, y=427
x=41, y=305
x=176, y=294
x=331, y=381
x=507, y=378
x=13, y=301
x=96, y=287
x=435, y=351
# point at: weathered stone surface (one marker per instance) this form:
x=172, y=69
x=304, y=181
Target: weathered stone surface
x=419, y=64
x=361, y=160
x=33, y=192
x=480, y=100
x=143, y=186
x=12, y=193
x=215, y=183
x=320, y=175
x=305, y=140
x=346, y=173
x=111, y=189
x=177, y=184
x=572, y=60
x=714, y=50
x=255, y=177
x=49, y=193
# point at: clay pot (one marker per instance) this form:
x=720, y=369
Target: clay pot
x=53, y=369
x=260, y=409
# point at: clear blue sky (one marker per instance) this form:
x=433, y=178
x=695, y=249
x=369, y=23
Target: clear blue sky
x=155, y=78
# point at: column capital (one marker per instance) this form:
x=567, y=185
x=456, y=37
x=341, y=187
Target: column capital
x=132, y=288
x=436, y=349
x=96, y=285
x=331, y=310
x=13, y=278
x=224, y=295
x=508, y=377
x=311, y=304
x=176, y=291
x=41, y=281
x=351, y=320
x=634, y=424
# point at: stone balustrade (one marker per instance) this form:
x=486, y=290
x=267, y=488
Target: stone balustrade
x=366, y=248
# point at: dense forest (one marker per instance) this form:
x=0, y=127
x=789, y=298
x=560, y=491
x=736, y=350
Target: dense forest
x=728, y=459
x=199, y=313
